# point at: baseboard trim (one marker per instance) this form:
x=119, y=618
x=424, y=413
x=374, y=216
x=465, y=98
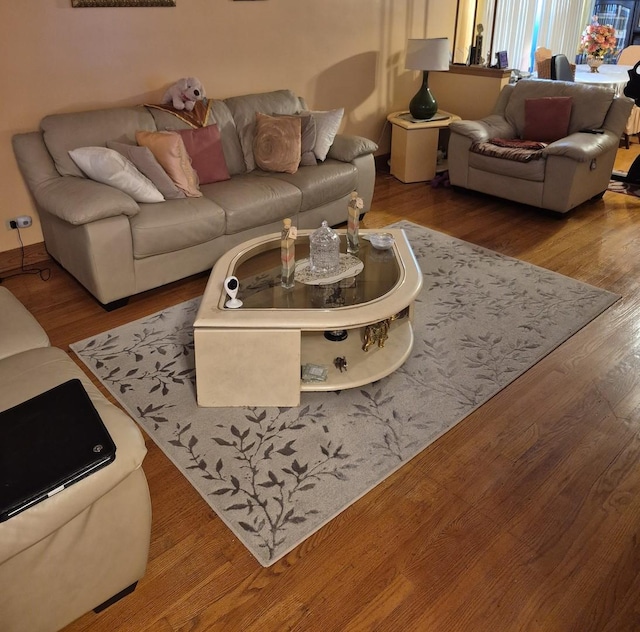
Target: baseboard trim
x=11, y=260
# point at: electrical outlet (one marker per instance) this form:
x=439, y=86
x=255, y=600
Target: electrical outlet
x=23, y=221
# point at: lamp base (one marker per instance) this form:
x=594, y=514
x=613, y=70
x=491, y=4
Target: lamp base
x=423, y=106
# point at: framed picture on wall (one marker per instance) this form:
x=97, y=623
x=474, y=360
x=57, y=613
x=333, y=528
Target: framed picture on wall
x=503, y=60
x=76, y=4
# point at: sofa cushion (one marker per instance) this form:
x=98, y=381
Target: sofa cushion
x=327, y=126
x=533, y=170
x=277, y=145
x=170, y=151
x=547, y=119
x=110, y=167
x=254, y=199
x=325, y=183
x=63, y=132
x=205, y=150
x=175, y=225
x=147, y=164
x=590, y=103
x=244, y=108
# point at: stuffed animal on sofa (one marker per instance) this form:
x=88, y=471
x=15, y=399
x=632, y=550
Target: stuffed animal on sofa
x=184, y=93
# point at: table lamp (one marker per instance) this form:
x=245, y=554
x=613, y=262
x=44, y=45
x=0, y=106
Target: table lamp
x=426, y=55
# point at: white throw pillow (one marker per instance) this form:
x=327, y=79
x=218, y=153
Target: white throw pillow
x=327, y=125
x=109, y=167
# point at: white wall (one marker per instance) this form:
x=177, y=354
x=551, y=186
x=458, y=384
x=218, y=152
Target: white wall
x=349, y=53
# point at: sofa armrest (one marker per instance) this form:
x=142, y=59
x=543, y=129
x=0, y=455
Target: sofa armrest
x=618, y=115
x=493, y=126
x=80, y=201
x=72, y=199
x=347, y=148
x=582, y=146
x=25, y=375
x=19, y=330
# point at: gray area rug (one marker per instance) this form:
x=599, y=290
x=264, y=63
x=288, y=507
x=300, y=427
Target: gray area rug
x=277, y=475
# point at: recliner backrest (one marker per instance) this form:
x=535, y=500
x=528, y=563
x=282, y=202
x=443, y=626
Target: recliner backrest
x=589, y=109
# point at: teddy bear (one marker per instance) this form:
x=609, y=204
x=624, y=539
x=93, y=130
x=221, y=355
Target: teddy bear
x=184, y=93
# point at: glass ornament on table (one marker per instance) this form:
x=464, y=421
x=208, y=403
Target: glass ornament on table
x=355, y=206
x=287, y=254
x=324, y=250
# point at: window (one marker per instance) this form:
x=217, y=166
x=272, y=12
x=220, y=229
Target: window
x=521, y=26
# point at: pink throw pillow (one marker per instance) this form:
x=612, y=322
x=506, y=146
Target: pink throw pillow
x=547, y=119
x=205, y=149
x=169, y=150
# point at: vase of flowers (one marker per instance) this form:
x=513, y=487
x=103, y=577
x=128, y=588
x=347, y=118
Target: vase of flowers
x=596, y=41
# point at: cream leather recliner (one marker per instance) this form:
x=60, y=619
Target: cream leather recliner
x=87, y=545
x=567, y=172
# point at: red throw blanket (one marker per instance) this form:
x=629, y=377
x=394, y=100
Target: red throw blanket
x=517, y=143
x=510, y=149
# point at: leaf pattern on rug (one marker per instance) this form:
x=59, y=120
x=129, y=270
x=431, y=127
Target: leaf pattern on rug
x=276, y=475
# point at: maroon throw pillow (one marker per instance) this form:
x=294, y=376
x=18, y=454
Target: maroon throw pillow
x=547, y=119
x=205, y=150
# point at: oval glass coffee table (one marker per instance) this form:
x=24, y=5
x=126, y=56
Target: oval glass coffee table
x=254, y=355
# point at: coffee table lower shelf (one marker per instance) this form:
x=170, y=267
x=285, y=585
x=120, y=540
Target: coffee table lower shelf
x=363, y=367
x=261, y=367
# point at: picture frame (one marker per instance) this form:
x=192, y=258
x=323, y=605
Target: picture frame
x=86, y=4
x=503, y=60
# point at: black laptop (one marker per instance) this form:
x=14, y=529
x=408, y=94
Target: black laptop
x=48, y=443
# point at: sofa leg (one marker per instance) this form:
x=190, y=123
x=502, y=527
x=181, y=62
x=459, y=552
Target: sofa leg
x=121, y=302
x=109, y=602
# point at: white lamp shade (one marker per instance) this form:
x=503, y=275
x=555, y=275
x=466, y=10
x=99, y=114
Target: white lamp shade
x=428, y=54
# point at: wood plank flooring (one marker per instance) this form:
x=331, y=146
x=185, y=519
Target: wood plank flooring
x=524, y=517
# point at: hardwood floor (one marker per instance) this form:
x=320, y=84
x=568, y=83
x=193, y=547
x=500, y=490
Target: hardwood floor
x=524, y=517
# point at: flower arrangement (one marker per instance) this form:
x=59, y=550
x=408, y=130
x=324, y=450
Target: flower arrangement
x=598, y=39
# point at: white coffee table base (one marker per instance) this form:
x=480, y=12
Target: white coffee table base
x=253, y=357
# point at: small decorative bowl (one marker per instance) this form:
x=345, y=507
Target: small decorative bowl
x=381, y=241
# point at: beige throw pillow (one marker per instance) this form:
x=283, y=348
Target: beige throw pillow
x=170, y=151
x=109, y=167
x=277, y=143
x=307, y=138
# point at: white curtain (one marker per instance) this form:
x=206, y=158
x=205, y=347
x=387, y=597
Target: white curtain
x=515, y=20
x=521, y=26
x=563, y=35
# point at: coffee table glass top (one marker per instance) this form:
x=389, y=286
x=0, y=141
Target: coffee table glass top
x=258, y=271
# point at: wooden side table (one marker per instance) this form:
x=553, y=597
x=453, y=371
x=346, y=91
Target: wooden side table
x=414, y=145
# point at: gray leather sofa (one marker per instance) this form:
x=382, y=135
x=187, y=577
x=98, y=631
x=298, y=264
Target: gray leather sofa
x=89, y=543
x=117, y=247
x=567, y=172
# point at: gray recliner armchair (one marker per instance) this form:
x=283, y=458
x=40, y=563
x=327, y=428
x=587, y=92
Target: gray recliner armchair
x=557, y=175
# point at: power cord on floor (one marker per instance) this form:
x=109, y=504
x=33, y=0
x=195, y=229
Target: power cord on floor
x=45, y=273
